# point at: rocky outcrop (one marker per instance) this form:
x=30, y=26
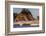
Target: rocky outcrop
x=25, y=15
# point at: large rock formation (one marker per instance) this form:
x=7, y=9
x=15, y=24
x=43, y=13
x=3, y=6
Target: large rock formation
x=25, y=15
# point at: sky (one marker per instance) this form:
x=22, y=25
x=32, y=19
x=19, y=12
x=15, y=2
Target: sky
x=34, y=12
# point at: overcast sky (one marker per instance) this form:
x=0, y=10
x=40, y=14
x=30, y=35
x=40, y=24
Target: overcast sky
x=35, y=12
